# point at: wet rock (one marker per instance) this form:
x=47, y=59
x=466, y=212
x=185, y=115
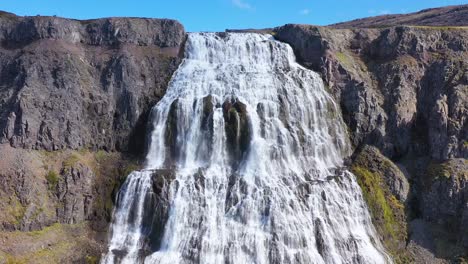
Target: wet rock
x=162, y=178
x=237, y=126
x=158, y=204
x=171, y=134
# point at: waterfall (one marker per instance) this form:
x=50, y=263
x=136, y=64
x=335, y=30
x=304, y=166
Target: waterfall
x=245, y=165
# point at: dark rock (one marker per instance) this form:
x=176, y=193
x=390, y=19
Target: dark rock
x=371, y=158
x=170, y=134
x=83, y=84
x=445, y=198
x=158, y=205
x=75, y=194
x=394, y=85
x=403, y=90
x=238, y=131
x=422, y=243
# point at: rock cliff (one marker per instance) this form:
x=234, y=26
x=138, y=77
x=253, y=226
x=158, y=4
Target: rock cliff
x=69, y=84
x=404, y=91
x=74, y=101
x=75, y=97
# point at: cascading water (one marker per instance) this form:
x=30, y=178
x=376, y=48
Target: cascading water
x=244, y=166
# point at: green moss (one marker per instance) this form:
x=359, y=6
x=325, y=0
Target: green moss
x=343, y=58
x=101, y=156
x=70, y=161
x=64, y=241
x=441, y=27
x=52, y=178
x=37, y=213
x=15, y=260
x=375, y=198
x=55, y=227
x=331, y=111
x=129, y=168
x=92, y=260
x=52, y=254
x=386, y=211
x=83, y=151
x=16, y=210
x=437, y=171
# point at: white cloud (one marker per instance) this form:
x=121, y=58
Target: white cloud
x=241, y=4
x=304, y=12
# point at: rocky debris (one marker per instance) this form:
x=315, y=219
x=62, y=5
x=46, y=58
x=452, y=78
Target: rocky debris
x=83, y=84
x=442, y=16
x=421, y=243
x=23, y=191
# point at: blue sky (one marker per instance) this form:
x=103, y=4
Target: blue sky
x=218, y=15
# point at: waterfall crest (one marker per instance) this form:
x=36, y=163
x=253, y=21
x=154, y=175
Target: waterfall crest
x=244, y=166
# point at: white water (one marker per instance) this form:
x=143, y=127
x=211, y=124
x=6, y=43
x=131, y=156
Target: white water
x=277, y=195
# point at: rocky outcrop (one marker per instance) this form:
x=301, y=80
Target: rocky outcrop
x=394, y=85
x=69, y=84
x=47, y=193
x=385, y=190
x=445, y=200
x=237, y=127
x=74, y=96
x=371, y=159
x=404, y=91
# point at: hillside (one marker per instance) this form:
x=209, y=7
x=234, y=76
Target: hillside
x=440, y=17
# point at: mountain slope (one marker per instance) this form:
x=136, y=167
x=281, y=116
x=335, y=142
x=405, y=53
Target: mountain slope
x=443, y=16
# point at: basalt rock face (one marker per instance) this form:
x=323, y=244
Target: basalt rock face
x=83, y=84
x=74, y=99
x=403, y=90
